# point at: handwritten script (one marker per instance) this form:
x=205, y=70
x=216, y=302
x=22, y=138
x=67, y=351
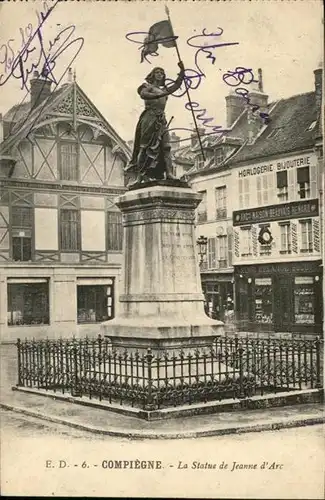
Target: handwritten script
x=33, y=54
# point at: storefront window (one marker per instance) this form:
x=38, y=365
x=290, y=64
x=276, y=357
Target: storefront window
x=263, y=300
x=28, y=303
x=95, y=303
x=304, y=300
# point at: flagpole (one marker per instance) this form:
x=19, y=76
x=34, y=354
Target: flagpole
x=187, y=91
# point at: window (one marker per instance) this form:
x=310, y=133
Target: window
x=28, y=303
x=306, y=230
x=21, y=222
x=69, y=161
x=263, y=186
x=94, y=303
x=243, y=193
x=21, y=247
x=212, y=253
x=202, y=208
x=246, y=239
x=303, y=181
x=222, y=250
x=221, y=202
x=114, y=231
x=285, y=235
x=304, y=296
x=199, y=162
x=70, y=230
x=263, y=300
x=282, y=185
x=218, y=156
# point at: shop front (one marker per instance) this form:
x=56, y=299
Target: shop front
x=218, y=293
x=282, y=297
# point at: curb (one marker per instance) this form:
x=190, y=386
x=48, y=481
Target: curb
x=284, y=424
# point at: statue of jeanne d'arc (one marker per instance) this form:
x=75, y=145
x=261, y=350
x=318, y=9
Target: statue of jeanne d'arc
x=151, y=157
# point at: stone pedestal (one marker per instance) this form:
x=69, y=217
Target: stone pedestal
x=161, y=301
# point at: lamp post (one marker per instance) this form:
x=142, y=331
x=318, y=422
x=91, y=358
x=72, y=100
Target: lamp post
x=202, y=243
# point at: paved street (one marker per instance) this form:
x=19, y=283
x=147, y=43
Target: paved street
x=67, y=461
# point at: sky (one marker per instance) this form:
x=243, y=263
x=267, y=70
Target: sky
x=285, y=39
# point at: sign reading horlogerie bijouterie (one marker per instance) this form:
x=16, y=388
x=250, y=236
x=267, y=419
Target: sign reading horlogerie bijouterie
x=297, y=209
x=301, y=161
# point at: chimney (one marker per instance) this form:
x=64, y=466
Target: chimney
x=318, y=89
x=40, y=89
x=194, y=138
x=174, y=141
x=235, y=105
x=259, y=98
x=260, y=80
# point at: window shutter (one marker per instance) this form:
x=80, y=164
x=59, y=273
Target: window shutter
x=212, y=253
x=241, y=193
x=254, y=240
x=114, y=231
x=292, y=186
x=246, y=200
x=313, y=181
x=229, y=241
x=294, y=240
x=236, y=242
x=316, y=240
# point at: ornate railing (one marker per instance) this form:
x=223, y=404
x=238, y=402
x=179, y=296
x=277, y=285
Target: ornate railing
x=231, y=368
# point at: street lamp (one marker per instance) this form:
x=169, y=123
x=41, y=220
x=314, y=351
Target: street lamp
x=202, y=243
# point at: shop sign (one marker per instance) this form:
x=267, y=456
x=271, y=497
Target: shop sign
x=294, y=210
x=276, y=166
x=280, y=268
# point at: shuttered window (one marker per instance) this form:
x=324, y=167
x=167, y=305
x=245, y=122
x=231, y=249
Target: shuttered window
x=70, y=230
x=69, y=161
x=114, y=231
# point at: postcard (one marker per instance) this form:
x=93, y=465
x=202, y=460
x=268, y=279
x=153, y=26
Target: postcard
x=161, y=249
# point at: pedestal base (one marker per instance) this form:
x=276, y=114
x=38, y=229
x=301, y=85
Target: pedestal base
x=161, y=333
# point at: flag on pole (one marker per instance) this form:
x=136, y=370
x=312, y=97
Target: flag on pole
x=159, y=33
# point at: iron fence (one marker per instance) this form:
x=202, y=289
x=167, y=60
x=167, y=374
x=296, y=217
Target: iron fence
x=230, y=368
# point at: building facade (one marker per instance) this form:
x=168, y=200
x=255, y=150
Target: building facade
x=277, y=245
x=262, y=196
x=62, y=167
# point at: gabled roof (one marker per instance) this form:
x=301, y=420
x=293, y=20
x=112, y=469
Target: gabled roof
x=21, y=119
x=293, y=126
x=287, y=130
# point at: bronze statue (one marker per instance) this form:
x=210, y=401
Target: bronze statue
x=151, y=159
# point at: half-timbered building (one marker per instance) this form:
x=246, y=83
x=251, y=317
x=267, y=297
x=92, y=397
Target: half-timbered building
x=62, y=167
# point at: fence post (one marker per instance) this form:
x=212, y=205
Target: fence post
x=318, y=368
x=241, y=376
x=75, y=390
x=20, y=382
x=148, y=403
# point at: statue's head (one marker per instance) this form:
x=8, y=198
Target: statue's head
x=158, y=75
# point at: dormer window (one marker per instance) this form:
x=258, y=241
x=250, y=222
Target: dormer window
x=218, y=156
x=199, y=162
